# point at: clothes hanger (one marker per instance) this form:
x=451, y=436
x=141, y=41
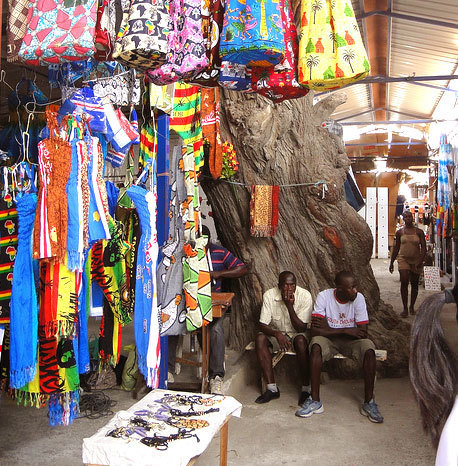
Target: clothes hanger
x=2, y=79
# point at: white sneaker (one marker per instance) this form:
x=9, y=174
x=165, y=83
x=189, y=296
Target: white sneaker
x=216, y=386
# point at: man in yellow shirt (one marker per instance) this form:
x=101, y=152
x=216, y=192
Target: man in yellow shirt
x=285, y=315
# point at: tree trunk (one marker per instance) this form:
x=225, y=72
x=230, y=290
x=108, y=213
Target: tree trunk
x=316, y=237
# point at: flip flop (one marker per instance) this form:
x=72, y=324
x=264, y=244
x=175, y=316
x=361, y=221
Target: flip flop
x=404, y=314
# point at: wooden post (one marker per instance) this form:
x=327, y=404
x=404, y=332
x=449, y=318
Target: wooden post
x=223, y=444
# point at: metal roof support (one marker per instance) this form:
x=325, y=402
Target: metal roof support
x=388, y=56
x=393, y=122
x=417, y=19
x=432, y=86
x=366, y=46
x=375, y=110
x=386, y=144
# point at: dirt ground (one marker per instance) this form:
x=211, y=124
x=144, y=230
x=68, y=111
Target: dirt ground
x=265, y=434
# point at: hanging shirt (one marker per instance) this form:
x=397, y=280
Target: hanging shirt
x=222, y=259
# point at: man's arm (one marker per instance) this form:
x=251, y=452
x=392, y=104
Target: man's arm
x=236, y=272
x=320, y=327
x=395, y=251
x=283, y=341
x=422, y=246
x=297, y=323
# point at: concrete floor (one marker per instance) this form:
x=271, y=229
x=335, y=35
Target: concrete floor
x=266, y=434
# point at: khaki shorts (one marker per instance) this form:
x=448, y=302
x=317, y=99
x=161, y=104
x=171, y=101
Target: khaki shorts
x=404, y=265
x=354, y=349
x=291, y=337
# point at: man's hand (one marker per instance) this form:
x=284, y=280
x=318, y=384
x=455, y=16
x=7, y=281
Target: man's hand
x=356, y=332
x=391, y=268
x=215, y=274
x=288, y=297
x=283, y=341
x=319, y=322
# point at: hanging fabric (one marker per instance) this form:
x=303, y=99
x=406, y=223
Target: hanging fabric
x=280, y=82
x=16, y=27
x=331, y=50
x=143, y=35
x=264, y=210
x=24, y=310
x=212, y=25
x=5, y=360
x=105, y=30
x=252, y=33
x=210, y=130
x=235, y=77
x=121, y=89
x=58, y=32
x=186, y=50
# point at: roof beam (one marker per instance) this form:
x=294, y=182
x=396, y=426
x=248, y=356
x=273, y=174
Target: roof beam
x=375, y=110
x=370, y=144
x=402, y=16
x=393, y=122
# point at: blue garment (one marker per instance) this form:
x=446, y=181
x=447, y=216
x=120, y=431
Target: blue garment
x=143, y=282
x=82, y=351
x=24, y=306
x=112, y=193
x=163, y=188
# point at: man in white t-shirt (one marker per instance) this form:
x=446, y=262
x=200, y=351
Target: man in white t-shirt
x=339, y=325
x=286, y=312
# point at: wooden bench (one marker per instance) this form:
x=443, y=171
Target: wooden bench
x=277, y=356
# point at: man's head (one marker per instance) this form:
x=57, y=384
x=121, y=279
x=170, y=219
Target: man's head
x=346, y=286
x=206, y=231
x=287, y=282
x=408, y=218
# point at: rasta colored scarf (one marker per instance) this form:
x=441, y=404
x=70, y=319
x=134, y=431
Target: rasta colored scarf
x=263, y=210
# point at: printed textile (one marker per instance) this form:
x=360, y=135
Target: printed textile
x=263, y=210
x=210, y=130
x=16, y=27
x=146, y=315
x=5, y=360
x=8, y=250
x=24, y=309
x=280, y=82
x=197, y=285
x=253, y=33
x=212, y=24
x=59, y=32
x=235, y=77
x=120, y=89
x=331, y=51
x=186, y=51
x=105, y=30
x=142, y=38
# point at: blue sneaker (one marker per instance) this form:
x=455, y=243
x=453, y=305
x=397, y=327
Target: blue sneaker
x=310, y=407
x=371, y=411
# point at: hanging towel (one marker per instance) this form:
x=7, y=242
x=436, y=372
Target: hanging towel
x=210, y=130
x=24, y=309
x=263, y=210
x=16, y=27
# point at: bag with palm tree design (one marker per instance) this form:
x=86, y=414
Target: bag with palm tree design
x=252, y=33
x=331, y=51
x=280, y=82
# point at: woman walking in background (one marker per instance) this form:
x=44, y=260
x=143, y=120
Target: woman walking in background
x=409, y=248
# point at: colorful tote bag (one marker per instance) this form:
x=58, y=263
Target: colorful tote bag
x=235, y=77
x=59, y=31
x=280, y=82
x=331, y=51
x=253, y=33
x=105, y=30
x=186, y=50
x=143, y=34
x=212, y=24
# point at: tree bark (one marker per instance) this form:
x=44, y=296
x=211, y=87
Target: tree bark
x=316, y=237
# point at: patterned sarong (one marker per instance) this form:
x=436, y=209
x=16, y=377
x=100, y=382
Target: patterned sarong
x=210, y=129
x=263, y=210
x=16, y=27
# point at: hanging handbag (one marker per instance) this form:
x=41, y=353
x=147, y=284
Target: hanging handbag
x=212, y=24
x=143, y=34
x=58, y=33
x=253, y=33
x=105, y=30
x=280, y=82
x=186, y=51
x=121, y=89
x=235, y=77
x=331, y=51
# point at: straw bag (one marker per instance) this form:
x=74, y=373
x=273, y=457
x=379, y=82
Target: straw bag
x=331, y=51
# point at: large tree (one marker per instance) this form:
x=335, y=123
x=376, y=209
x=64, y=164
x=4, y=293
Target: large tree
x=285, y=144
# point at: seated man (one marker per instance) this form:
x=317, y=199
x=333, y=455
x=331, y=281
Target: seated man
x=286, y=311
x=339, y=325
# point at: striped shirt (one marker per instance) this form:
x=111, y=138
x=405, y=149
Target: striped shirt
x=222, y=259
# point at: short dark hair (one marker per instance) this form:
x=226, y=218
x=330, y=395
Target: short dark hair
x=430, y=354
x=283, y=275
x=341, y=276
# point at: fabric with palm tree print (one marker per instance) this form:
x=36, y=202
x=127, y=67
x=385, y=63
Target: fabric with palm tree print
x=280, y=82
x=253, y=33
x=331, y=51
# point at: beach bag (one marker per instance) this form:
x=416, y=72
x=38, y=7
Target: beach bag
x=235, y=77
x=186, y=50
x=280, y=82
x=105, y=30
x=253, y=33
x=58, y=33
x=331, y=51
x=143, y=34
x=212, y=24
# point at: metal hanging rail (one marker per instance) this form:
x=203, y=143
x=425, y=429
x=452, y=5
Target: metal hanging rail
x=393, y=122
x=369, y=144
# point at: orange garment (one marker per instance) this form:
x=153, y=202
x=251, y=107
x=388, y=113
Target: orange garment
x=210, y=129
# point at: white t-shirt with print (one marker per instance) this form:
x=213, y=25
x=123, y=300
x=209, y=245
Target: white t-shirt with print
x=340, y=315
x=447, y=452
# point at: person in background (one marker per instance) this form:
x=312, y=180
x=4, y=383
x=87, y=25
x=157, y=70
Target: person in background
x=285, y=314
x=339, y=325
x=409, y=248
x=224, y=265
x=434, y=372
